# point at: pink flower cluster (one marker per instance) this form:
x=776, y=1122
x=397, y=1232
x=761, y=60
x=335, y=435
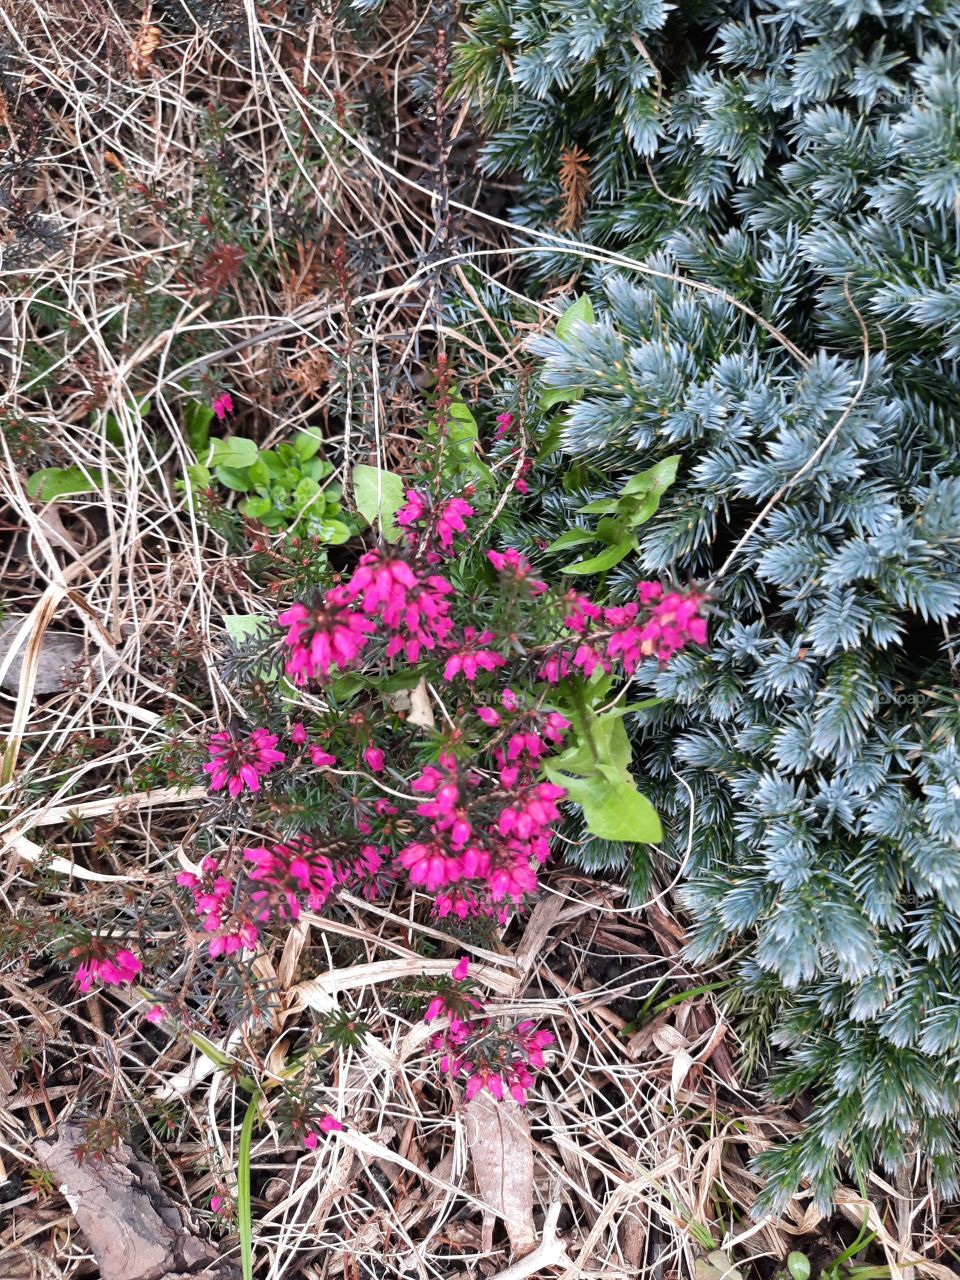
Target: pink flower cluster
x=439, y=524
x=658, y=626
x=287, y=877
x=239, y=763
x=212, y=895
x=484, y=836
x=492, y=1058
x=411, y=608
x=112, y=968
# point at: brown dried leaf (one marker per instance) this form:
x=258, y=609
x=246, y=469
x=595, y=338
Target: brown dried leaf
x=498, y=1134
x=144, y=47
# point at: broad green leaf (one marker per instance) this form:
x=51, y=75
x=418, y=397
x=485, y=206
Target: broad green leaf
x=572, y=538
x=240, y=627
x=379, y=496
x=319, y=469
x=199, y=476
x=612, y=531
x=463, y=425
x=550, y=396
x=612, y=809
x=273, y=464
x=307, y=443
x=256, y=507
x=656, y=479
x=233, y=478
x=307, y=490
x=236, y=452
x=580, y=311
x=333, y=531
x=59, y=482
x=605, y=560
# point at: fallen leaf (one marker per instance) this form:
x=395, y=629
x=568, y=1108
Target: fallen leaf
x=498, y=1134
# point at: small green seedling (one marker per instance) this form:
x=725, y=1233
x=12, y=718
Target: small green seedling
x=621, y=517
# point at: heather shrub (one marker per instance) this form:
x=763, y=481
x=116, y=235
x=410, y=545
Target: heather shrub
x=801, y=166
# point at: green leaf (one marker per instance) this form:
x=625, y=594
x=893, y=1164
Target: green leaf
x=379, y=496
x=602, y=507
x=256, y=507
x=197, y=417
x=241, y=627
x=199, y=475
x=550, y=396
x=319, y=469
x=579, y=312
x=236, y=452
x=244, y=1207
x=232, y=478
x=572, y=538
x=333, y=531
x=605, y=560
x=307, y=491
x=798, y=1264
x=656, y=479
x=307, y=443
x=613, y=808
x=59, y=482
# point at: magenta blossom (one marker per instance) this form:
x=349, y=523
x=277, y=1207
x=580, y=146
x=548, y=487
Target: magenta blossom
x=222, y=405
x=450, y=518
x=112, y=969
x=513, y=565
x=473, y=656
x=327, y=634
x=239, y=763
x=373, y=757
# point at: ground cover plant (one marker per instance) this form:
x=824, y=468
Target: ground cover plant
x=800, y=169
x=382, y=721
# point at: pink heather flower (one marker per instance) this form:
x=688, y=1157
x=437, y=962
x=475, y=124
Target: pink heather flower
x=504, y=425
x=533, y=1042
x=430, y=865
x=581, y=613
x=298, y=735
x=472, y=657
x=222, y=405
x=521, y=485
x=112, y=970
x=330, y=1124
x=374, y=759
x=488, y=716
x=461, y=969
x=450, y=521
x=218, y=1204
x=413, y=608
x=413, y=510
x=327, y=634
x=290, y=873
x=241, y=762
x=310, y=1141
x=322, y=759
x=511, y=563
x=242, y=937
x=156, y=1014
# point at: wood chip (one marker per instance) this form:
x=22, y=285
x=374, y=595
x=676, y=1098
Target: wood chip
x=133, y=1228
